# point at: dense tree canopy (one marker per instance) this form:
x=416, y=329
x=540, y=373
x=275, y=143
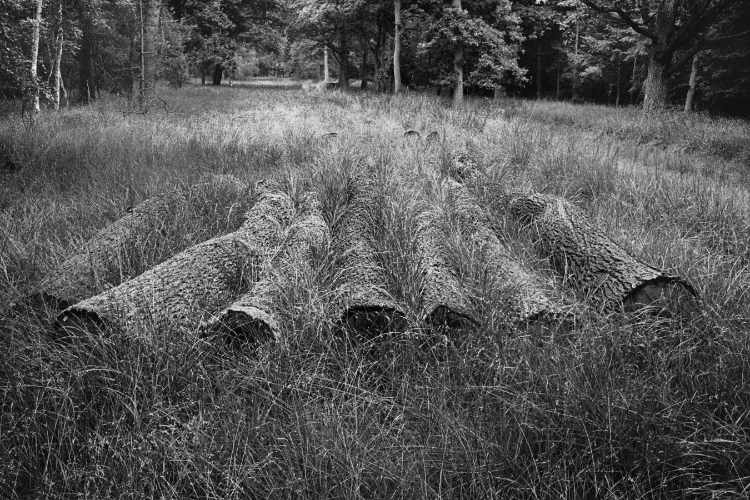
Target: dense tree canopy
x=654, y=52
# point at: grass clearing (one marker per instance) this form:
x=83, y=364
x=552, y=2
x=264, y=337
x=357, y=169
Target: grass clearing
x=616, y=408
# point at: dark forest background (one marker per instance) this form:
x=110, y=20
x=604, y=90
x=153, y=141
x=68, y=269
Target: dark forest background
x=692, y=54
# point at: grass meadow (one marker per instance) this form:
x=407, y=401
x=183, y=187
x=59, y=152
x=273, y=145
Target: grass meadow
x=619, y=407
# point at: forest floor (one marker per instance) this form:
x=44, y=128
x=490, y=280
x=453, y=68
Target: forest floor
x=618, y=407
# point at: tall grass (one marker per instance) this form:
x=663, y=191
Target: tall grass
x=618, y=407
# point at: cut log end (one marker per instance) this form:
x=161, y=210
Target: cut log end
x=369, y=321
x=76, y=322
x=665, y=295
x=246, y=324
x=444, y=316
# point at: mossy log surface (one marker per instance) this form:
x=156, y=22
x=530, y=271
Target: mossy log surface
x=527, y=297
x=444, y=300
x=197, y=282
x=594, y=264
x=255, y=315
x=362, y=302
x=102, y=259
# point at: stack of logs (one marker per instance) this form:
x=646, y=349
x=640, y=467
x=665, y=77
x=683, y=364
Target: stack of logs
x=230, y=285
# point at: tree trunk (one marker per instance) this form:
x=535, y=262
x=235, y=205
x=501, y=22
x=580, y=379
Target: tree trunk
x=361, y=301
x=396, y=46
x=444, y=300
x=37, y=25
x=574, y=90
x=255, y=315
x=693, y=80
x=199, y=281
x=326, y=70
x=218, y=74
x=150, y=10
x=592, y=263
x=539, y=70
x=59, y=39
x=655, y=86
x=557, y=83
x=105, y=259
x=86, y=85
x=633, y=90
x=458, y=66
x=524, y=297
x=618, y=87
x=343, y=60
x=363, y=69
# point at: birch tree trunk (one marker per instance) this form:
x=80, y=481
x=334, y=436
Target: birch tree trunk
x=396, y=46
x=59, y=39
x=35, y=54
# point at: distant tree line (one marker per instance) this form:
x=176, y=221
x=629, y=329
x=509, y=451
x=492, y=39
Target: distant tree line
x=654, y=53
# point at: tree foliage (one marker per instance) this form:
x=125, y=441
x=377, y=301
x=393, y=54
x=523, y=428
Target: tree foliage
x=615, y=51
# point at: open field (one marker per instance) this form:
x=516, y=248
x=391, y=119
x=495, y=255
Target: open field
x=619, y=407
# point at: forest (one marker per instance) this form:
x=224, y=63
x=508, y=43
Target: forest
x=658, y=53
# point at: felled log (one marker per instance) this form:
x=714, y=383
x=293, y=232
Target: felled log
x=101, y=261
x=463, y=166
x=444, y=299
x=183, y=290
x=254, y=316
x=362, y=303
x=592, y=262
x=526, y=297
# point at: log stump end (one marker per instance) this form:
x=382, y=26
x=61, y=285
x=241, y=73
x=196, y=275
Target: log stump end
x=369, y=320
x=76, y=322
x=244, y=324
x=444, y=316
x=664, y=296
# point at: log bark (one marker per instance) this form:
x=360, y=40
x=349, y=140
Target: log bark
x=593, y=263
x=254, y=316
x=526, y=298
x=101, y=261
x=362, y=304
x=182, y=291
x=444, y=300
x=463, y=166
